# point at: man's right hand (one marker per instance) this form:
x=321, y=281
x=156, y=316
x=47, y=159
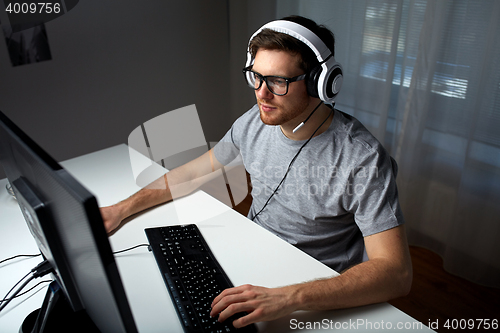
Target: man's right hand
x=112, y=218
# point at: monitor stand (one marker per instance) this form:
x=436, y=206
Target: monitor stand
x=56, y=315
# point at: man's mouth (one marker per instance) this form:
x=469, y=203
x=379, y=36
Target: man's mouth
x=267, y=108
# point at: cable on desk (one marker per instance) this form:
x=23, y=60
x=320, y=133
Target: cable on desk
x=24, y=277
x=40, y=270
x=27, y=291
x=20, y=255
x=4, y=304
x=37, y=255
x=133, y=247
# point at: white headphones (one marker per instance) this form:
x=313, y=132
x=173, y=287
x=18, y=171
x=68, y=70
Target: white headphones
x=323, y=81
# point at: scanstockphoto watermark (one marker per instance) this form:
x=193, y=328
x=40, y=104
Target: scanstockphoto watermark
x=314, y=180
x=357, y=324
x=323, y=187
x=308, y=170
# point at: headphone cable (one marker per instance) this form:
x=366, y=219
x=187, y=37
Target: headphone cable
x=293, y=160
x=309, y=116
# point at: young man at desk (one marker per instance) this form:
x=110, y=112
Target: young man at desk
x=320, y=180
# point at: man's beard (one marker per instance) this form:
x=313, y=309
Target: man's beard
x=283, y=115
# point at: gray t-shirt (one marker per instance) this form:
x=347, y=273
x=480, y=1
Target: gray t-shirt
x=340, y=188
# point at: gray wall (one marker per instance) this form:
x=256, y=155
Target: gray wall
x=117, y=64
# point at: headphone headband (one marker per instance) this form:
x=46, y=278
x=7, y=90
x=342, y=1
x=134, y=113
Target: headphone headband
x=301, y=33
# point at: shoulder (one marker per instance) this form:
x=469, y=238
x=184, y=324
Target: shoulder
x=351, y=129
x=358, y=145
x=249, y=118
x=248, y=126
x=236, y=139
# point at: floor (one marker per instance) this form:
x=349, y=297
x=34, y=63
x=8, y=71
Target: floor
x=438, y=297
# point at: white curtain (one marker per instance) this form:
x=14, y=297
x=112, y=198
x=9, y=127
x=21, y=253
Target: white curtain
x=424, y=77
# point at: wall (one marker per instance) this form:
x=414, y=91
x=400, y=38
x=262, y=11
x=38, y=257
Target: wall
x=117, y=64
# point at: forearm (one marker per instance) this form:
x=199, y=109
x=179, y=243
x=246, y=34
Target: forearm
x=174, y=184
x=363, y=284
x=152, y=195
x=386, y=275
x=373, y=281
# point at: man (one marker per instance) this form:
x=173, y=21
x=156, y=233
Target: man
x=320, y=181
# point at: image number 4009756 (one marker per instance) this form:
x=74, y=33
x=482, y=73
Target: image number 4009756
x=25, y=14
x=33, y=8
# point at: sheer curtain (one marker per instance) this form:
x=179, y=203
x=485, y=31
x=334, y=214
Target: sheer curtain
x=424, y=77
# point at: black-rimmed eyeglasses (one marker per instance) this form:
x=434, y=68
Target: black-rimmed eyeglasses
x=278, y=85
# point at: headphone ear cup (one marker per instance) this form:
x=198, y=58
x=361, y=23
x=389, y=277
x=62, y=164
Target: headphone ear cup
x=250, y=79
x=312, y=81
x=329, y=81
x=334, y=82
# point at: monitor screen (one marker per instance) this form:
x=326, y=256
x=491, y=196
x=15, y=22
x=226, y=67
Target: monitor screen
x=65, y=221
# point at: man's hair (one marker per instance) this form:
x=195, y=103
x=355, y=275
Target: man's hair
x=272, y=40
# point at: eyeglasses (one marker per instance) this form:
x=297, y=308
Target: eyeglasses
x=278, y=85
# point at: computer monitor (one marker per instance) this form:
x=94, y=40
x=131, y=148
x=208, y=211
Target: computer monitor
x=65, y=221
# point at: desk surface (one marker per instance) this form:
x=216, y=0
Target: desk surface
x=247, y=252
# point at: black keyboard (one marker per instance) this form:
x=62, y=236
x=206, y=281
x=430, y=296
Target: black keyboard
x=193, y=277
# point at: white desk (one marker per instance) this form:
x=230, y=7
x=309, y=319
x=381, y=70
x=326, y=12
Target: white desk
x=248, y=254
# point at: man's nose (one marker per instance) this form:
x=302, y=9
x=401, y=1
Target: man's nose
x=263, y=92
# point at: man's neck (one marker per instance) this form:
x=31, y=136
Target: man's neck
x=316, y=122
